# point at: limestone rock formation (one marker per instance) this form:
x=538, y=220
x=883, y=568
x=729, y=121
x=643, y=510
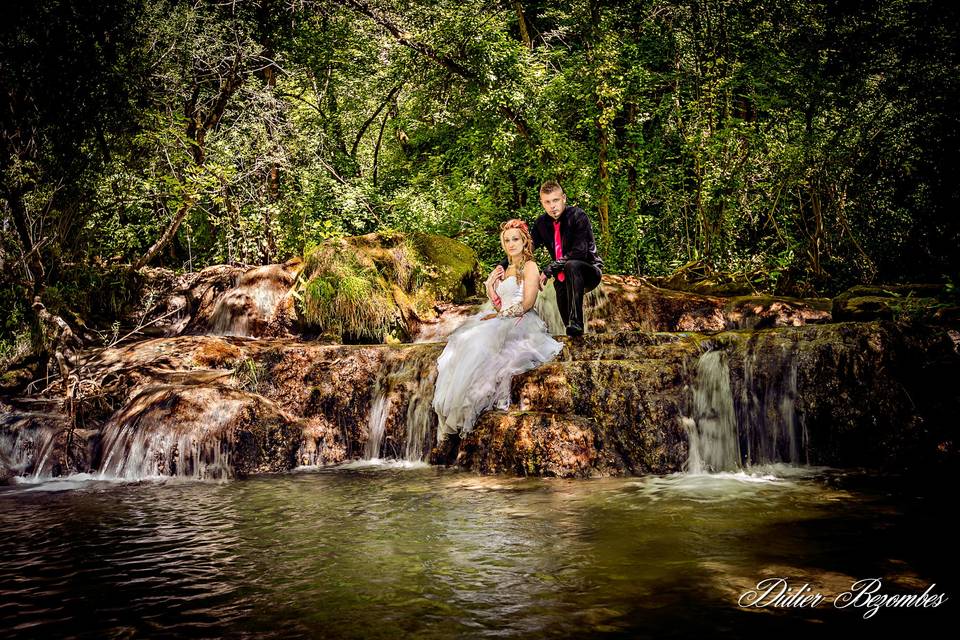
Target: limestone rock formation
x=241, y=377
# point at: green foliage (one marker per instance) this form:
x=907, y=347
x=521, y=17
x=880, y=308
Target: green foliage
x=800, y=146
x=250, y=375
x=343, y=296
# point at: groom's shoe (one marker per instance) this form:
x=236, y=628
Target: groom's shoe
x=574, y=330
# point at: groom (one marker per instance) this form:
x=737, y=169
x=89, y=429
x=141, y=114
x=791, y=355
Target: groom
x=566, y=233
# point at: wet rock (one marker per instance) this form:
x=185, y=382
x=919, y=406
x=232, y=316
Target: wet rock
x=627, y=303
x=38, y=439
x=221, y=299
x=15, y=379
x=636, y=403
x=259, y=305
x=869, y=394
x=763, y=312
x=634, y=304
x=201, y=432
x=535, y=444
x=874, y=394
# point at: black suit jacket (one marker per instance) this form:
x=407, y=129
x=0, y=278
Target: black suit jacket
x=576, y=236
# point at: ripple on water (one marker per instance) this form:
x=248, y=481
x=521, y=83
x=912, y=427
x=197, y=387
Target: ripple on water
x=394, y=550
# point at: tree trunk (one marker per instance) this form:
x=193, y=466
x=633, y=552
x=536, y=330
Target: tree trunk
x=631, y=165
x=198, y=125
x=522, y=21
x=273, y=173
x=167, y=235
x=36, y=274
x=376, y=147
x=603, y=205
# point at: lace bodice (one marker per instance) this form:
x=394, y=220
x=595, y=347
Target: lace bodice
x=510, y=291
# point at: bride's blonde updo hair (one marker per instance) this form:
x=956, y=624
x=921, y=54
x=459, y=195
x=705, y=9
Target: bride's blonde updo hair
x=527, y=253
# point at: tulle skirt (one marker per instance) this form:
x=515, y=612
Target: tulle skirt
x=477, y=365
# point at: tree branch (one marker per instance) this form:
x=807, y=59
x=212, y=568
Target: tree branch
x=373, y=116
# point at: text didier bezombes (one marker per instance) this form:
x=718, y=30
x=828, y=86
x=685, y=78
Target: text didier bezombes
x=777, y=592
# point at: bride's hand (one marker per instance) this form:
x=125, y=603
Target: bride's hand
x=489, y=316
x=543, y=281
x=496, y=274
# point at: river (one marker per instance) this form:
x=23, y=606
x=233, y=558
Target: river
x=381, y=550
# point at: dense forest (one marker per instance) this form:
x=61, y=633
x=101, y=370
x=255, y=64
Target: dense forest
x=802, y=146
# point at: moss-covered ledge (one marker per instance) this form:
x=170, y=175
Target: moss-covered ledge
x=381, y=287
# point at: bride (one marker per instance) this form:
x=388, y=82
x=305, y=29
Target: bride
x=482, y=356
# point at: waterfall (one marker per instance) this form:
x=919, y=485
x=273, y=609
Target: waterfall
x=420, y=418
x=546, y=307
x=377, y=419
x=250, y=307
x=162, y=433
x=401, y=423
x=767, y=406
x=746, y=414
x=714, y=444
x=28, y=444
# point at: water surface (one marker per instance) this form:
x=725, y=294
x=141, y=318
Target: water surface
x=382, y=551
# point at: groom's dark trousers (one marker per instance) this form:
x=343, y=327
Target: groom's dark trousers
x=579, y=278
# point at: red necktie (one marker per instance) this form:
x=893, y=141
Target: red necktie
x=556, y=244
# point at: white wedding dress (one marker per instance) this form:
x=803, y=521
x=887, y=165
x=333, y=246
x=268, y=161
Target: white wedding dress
x=482, y=356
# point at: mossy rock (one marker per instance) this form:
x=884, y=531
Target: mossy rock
x=454, y=264
x=722, y=289
x=865, y=303
x=380, y=286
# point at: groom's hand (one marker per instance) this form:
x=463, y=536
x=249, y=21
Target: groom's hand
x=554, y=268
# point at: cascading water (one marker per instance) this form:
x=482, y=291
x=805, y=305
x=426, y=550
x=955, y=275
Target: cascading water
x=766, y=406
x=147, y=440
x=248, y=308
x=377, y=418
x=420, y=418
x=744, y=409
x=402, y=395
x=546, y=307
x=29, y=444
x=714, y=444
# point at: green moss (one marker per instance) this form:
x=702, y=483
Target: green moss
x=452, y=265
x=366, y=288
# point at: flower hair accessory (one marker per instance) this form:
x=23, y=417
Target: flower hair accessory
x=515, y=224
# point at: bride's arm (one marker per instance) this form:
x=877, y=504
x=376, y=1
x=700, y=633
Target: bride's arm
x=492, y=292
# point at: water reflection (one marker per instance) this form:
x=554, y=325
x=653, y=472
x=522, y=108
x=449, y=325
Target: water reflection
x=377, y=550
